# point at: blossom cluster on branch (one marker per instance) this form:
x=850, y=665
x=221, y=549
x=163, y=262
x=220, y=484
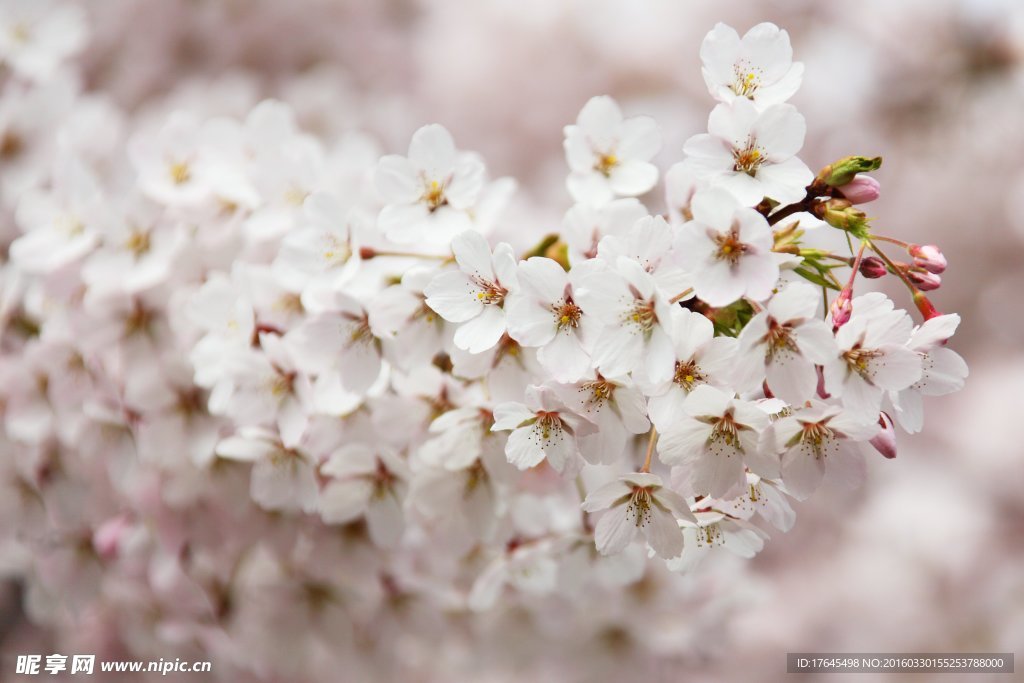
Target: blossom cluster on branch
x=241, y=361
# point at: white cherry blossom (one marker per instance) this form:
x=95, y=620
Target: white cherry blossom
x=759, y=66
x=943, y=371
x=543, y=428
x=366, y=482
x=638, y=504
x=610, y=156
x=727, y=249
x=752, y=153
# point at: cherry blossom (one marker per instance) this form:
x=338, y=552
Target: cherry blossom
x=639, y=504
x=609, y=155
x=758, y=67
x=752, y=153
x=429, y=193
x=543, y=429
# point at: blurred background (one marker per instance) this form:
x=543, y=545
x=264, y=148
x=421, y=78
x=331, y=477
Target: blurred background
x=929, y=555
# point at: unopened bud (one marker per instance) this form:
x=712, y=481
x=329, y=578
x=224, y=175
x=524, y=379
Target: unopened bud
x=842, y=308
x=842, y=214
x=873, y=267
x=843, y=171
x=929, y=257
x=924, y=280
x=885, y=441
x=861, y=190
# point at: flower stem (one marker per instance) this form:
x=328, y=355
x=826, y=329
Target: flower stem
x=678, y=297
x=650, y=450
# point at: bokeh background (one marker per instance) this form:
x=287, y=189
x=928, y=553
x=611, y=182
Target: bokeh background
x=929, y=555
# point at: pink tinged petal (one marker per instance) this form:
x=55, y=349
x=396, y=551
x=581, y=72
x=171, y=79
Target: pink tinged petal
x=909, y=406
x=945, y=372
x=861, y=398
x=432, y=150
x=287, y=483
x=510, y=415
x=523, y=448
x=690, y=331
x=718, y=471
x=243, y=449
x=618, y=351
x=344, y=501
x=791, y=377
x=714, y=208
x=639, y=139
x=605, y=446
x=676, y=504
x=632, y=409
x=666, y=409
x=359, y=366
x=291, y=422
x=663, y=533
x=780, y=131
x=885, y=441
x=785, y=87
x=717, y=357
x=683, y=441
x=482, y=332
x=606, y=496
x=706, y=400
x=454, y=296
x=632, y=178
x=848, y=466
x=815, y=340
x=760, y=273
x=384, y=520
x=615, y=530
x=934, y=332
x=897, y=368
x=396, y=181
x=802, y=472
x=466, y=183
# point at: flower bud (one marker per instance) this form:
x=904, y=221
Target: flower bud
x=842, y=308
x=861, y=190
x=843, y=171
x=928, y=257
x=885, y=441
x=873, y=267
x=924, y=280
x=841, y=213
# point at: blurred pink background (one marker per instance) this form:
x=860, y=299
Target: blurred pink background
x=929, y=555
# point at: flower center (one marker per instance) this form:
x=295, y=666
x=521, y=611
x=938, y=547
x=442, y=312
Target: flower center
x=433, y=195
x=688, y=375
x=745, y=81
x=709, y=536
x=491, y=293
x=605, y=163
x=639, y=505
x=549, y=427
x=643, y=316
x=748, y=159
x=779, y=339
x=567, y=314
x=730, y=248
x=180, y=173
x=597, y=393
x=138, y=243
x=816, y=436
x=859, y=360
x=726, y=430
x=359, y=332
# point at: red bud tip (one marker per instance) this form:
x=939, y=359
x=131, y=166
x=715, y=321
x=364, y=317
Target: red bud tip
x=928, y=311
x=928, y=257
x=873, y=267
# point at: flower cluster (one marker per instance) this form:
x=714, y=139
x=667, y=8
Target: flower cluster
x=233, y=352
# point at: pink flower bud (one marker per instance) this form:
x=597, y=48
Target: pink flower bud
x=861, y=190
x=109, y=537
x=842, y=308
x=885, y=441
x=873, y=267
x=924, y=280
x=928, y=257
